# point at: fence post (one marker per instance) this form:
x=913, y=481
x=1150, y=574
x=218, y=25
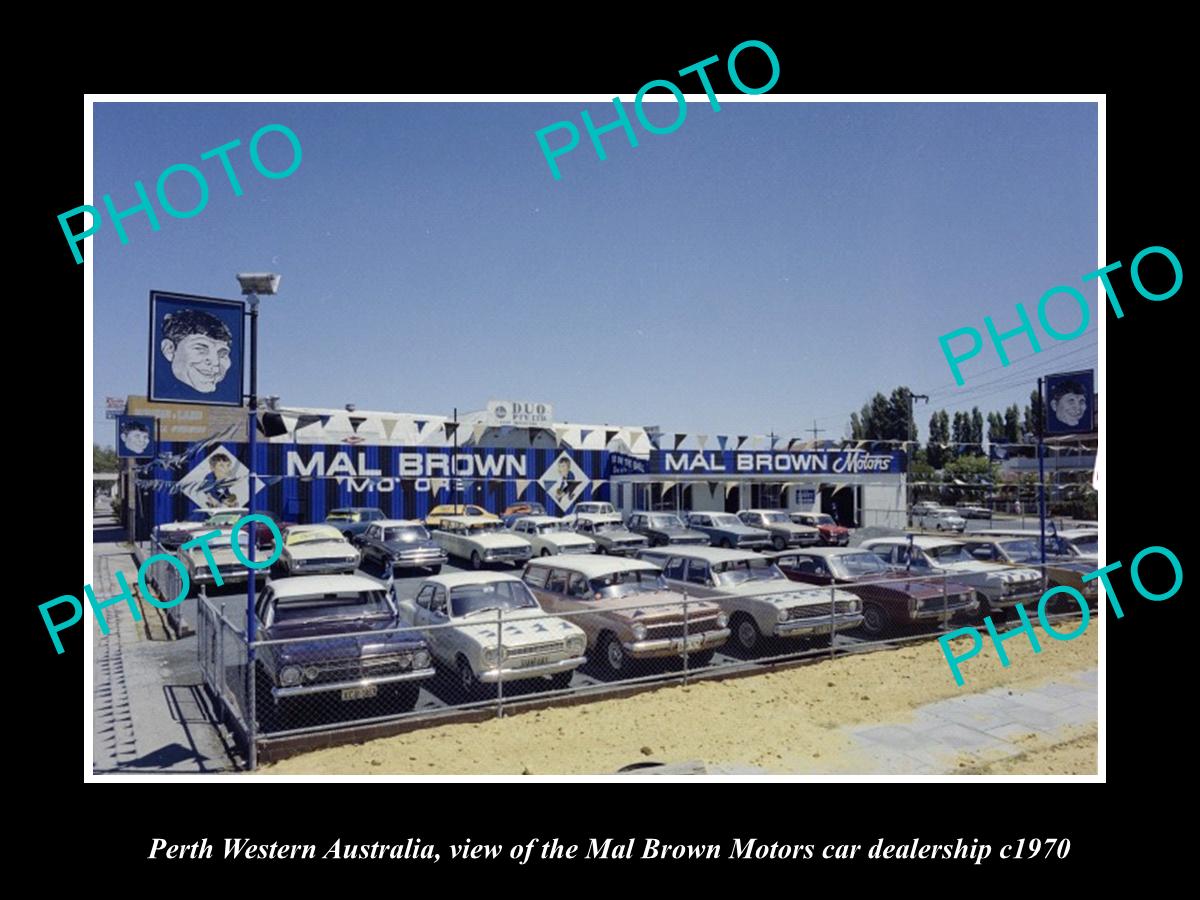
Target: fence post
x=499, y=663
x=685, y=635
x=945, y=601
x=251, y=721
x=832, y=621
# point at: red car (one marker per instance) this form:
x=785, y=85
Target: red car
x=832, y=534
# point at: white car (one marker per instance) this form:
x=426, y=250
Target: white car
x=493, y=630
x=997, y=585
x=759, y=599
x=609, y=533
x=317, y=550
x=467, y=537
x=784, y=532
x=231, y=569
x=592, y=508
x=199, y=521
x=549, y=536
x=940, y=518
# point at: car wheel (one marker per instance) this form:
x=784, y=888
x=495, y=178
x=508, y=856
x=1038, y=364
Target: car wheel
x=875, y=620
x=725, y=543
x=476, y=560
x=700, y=659
x=545, y=552
x=611, y=655
x=778, y=543
x=746, y=633
x=467, y=684
x=433, y=570
x=602, y=550
x=561, y=681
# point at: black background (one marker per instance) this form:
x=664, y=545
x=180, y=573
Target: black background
x=1147, y=486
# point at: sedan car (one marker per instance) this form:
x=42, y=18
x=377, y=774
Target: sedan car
x=627, y=610
x=172, y=535
x=784, y=532
x=941, y=518
x=348, y=649
x=517, y=510
x=727, y=530
x=997, y=586
x=476, y=515
x=1062, y=566
x=229, y=568
x=548, y=535
x=400, y=544
x=316, y=550
x=660, y=529
x=971, y=511
x=757, y=596
x=494, y=631
x=610, y=534
x=480, y=541
x=887, y=603
x=352, y=521
x=595, y=508
x=832, y=534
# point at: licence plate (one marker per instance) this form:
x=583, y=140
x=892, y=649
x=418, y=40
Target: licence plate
x=693, y=641
x=823, y=629
x=536, y=661
x=359, y=693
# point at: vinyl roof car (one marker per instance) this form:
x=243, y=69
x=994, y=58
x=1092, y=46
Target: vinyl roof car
x=921, y=540
x=708, y=554
x=316, y=585
x=594, y=566
x=458, y=579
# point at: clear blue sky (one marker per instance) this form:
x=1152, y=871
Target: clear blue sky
x=761, y=266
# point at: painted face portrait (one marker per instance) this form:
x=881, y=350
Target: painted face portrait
x=198, y=360
x=1069, y=408
x=136, y=440
x=221, y=468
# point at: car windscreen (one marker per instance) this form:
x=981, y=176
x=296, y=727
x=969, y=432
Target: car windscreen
x=334, y=605
x=726, y=521
x=551, y=527
x=406, y=533
x=1087, y=545
x=470, y=599
x=221, y=519
x=623, y=584
x=948, y=554
x=666, y=522
x=856, y=565
x=1024, y=550
x=341, y=516
x=310, y=536
x=743, y=570
x=825, y=520
x=609, y=526
x=776, y=517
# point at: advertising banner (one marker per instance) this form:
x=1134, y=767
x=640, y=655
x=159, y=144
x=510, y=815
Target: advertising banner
x=195, y=349
x=136, y=437
x=1069, y=402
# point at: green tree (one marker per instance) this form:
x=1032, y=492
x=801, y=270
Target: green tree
x=961, y=432
x=995, y=428
x=939, y=436
x=104, y=459
x=1033, y=414
x=1012, y=424
x=856, y=429
x=976, y=430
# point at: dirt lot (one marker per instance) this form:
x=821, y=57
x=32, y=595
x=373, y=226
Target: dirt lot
x=788, y=722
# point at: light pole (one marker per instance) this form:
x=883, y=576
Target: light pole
x=253, y=284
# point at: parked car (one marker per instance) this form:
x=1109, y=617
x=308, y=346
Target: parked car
x=662, y=528
x=352, y=521
x=480, y=541
x=1083, y=543
x=171, y=535
x=476, y=514
x=921, y=507
x=548, y=535
x=595, y=508
x=348, y=654
x=528, y=645
x=831, y=533
x=517, y=510
x=316, y=550
x=401, y=544
x=609, y=533
x=997, y=586
x=627, y=610
x=263, y=538
x=784, y=532
x=940, y=518
x=727, y=530
x=1063, y=565
x=231, y=569
x=757, y=596
x=968, y=511
x=886, y=603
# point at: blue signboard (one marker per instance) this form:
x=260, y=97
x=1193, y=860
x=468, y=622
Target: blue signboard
x=623, y=464
x=778, y=463
x=1069, y=402
x=195, y=349
x=136, y=437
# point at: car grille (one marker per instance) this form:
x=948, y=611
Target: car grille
x=673, y=630
x=818, y=610
x=688, y=540
x=583, y=549
x=370, y=667
x=324, y=561
x=952, y=601
x=509, y=553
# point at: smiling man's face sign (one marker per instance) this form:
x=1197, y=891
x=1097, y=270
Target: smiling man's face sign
x=136, y=440
x=1069, y=408
x=199, y=361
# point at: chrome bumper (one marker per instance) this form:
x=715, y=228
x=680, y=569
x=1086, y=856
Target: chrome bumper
x=428, y=558
x=701, y=640
x=205, y=576
x=510, y=556
x=347, y=568
x=754, y=544
x=303, y=690
x=491, y=676
x=938, y=612
x=1014, y=599
x=623, y=549
x=805, y=627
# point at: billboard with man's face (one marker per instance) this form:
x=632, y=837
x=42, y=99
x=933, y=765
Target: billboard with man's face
x=195, y=349
x=1069, y=402
x=135, y=437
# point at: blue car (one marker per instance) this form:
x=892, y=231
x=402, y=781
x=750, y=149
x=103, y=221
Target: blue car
x=727, y=530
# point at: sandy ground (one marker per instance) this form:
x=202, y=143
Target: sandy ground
x=786, y=722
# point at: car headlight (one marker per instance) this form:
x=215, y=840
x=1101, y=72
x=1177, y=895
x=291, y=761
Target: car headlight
x=489, y=656
x=783, y=614
x=576, y=644
x=722, y=620
x=639, y=631
x=311, y=673
x=489, y=554
x=289, y=676
x=421, y=659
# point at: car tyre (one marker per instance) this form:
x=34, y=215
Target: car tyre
x=746, y=633
x=611, y=656
x=433, y=570
x=778, y=543
x=725, y=544
x=468, y=686
x=602, y=550
x=875, y=620
x=545, y=552
x=476, y=560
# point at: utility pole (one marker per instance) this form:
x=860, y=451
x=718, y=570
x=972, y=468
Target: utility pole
x=815, y=431
x=912, y=439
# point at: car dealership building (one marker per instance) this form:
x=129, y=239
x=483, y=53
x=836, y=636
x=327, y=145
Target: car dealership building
x=310, y=461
